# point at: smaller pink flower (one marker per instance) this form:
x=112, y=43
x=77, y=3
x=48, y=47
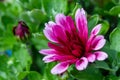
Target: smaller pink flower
x=70, y=44
x=21, y=30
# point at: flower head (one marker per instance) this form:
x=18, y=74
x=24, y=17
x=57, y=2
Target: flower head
x=22, y=30
x=70, y=44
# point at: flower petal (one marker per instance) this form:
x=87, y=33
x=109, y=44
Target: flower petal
x=91, y=57
x=60, y=19
x=82, y=63
x=70, y=22
x=49, y=58
x=49, y=35
x=88, y=45
x=49, y=25
x=100, y=55
x=59, y=33
x=96, y=29
x=65, y=22
x=47, y=51
x=81, y=24
x=98, y=42
x=60, y=68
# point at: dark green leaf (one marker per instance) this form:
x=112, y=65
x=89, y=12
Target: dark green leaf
x=90, y=73
x=102, y=65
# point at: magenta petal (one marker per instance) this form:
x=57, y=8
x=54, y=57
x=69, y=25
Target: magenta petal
x=71, y=26
x=59, y=33
x=82, y=63
x=47, y=51
x=49, y=58
x=81, y=24
x=91, y=57
x=60, y=19
x=88, y=45
x=60, y=68
x=100, y=55
x=96, y=29
x=49, y=34
x=98, y=42
x=64, y=22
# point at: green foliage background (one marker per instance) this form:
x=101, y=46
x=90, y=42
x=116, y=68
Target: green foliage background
x=25, y=63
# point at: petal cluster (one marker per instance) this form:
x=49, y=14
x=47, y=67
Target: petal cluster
x=70, y=43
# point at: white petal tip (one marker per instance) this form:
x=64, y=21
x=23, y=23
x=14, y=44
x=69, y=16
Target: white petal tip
x=101, y=55
x=60, y=68
x=81, y=64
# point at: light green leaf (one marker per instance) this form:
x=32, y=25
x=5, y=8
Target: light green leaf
x=92, y=21
x=33, y=75
x=115, y=10
x=38, y=16
x=22, y=55
x=22, y=75
x=25, y=16
x=52, y=7
x=3, y=75
x=39, y=41
x=47, y=73
x=115, y=39
x=105, y=27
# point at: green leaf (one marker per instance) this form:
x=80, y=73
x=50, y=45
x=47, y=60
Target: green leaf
x=102, y=65
x=105, y=27
x=92, y=21
x=3, y=62
x=6, y=20
x=33, y=75
x=112, y=54
x=25, y=16
x=115, y=39
x=39, y=41
x=22, y=75
x=112, y=77
x=3, y=75
x=115, y=10
x=3, y=66
x=90, y=73
x=74, y=10
x=47, y=73
x=38, y=16
x=31, y=4
x=52, y=7
x=33, y=18
x=21, y=54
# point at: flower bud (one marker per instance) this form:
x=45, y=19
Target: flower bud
x=21, y=30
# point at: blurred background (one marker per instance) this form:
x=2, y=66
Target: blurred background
x=19, y=50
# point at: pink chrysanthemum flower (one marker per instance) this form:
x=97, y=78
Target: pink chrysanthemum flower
x=70, y=44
